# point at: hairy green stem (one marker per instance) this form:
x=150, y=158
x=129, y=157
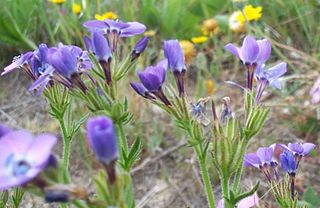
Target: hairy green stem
x=122, y=141
x=66, y=150
x=205, y=177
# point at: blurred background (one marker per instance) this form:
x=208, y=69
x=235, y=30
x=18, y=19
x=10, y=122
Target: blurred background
x=167, y=175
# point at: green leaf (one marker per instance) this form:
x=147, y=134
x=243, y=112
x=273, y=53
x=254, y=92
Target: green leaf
x=17, y=196
x=134, y=154
x=246, y=194
x=310, y=196
x=4, y=196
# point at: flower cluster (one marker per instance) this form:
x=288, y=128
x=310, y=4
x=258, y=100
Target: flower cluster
x=153, y=77
x=253, y=54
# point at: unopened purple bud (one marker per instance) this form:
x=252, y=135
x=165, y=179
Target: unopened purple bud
x=102, y=139
x=139, y=47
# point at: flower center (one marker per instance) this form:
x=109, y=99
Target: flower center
x=17, y=167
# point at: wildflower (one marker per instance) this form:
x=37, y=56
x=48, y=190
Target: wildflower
x=252, y=53
x=22, y=61
x=115, y=29
x=58, y=1
x=269, y=77
x=315, y=92
x=188, y=49
x=4, y=130
x=210, y=27
x=103, y=142
x=288, y=162
x=262, y=159
x=199, y=39
x=173, y=52
x=250, y=13
x=98, y=44
x=150, y=33
x=23, y=157
x=76, y=8
x=140, y=47
x=106, y=15
x=234, y=23
x=299, y=149
x=141, y=90
x=247, y=202
x=210, y=86
x=152, y=79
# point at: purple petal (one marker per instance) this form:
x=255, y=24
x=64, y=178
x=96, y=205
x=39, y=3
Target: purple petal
x=277, y=71
x=264, y=50
x=220, y=204
x=87, y=42
x=307, y=148
x=249, y=201
x=249, y=50
x=265, y=154
x=173, y=52
x=139, y=88
x=100, y=46
x=40, y=149
x=95, y=24
x=15, y=142
x=296, y=148
x=4, y=129
x=135, y=28
x=251, y=159
x=233, y=49
x=150, y=80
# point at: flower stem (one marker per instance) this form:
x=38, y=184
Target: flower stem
x=66, y=149
x=205, y=178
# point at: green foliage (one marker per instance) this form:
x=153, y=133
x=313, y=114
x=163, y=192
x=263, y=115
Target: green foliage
x=133, y=155
x=17, y=197
x=311, y=197
x=4, y=196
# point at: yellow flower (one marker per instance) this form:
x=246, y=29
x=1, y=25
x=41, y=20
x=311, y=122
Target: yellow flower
x=189, y=50
x=251, y=13
x=58, y=1
x=150, y=33
x=211, y=86
x=199, y=39
x=107, y=15
x=76, y=8
x=210, y=27
x=234, y=23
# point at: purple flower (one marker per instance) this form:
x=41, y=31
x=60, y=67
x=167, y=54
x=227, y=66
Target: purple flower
x=100, y=47
x=252, y=53
x=263, y=157
x=141, y=90
x=115, y=29
x=269, y=77
x=4, y=130
x=299, y=149
x=23, y=157
x=288, y=162
x=315, y=92
x=18, y=62
x=139, y=47
x=247, y=202
x=102, y=139
x=152, y=79
x=173, y=52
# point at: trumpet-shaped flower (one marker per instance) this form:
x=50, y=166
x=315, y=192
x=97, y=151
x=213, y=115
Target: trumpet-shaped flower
x=98, y=44
x=176, y=61
x=23, y=157
x=102, y=139
x=288, y=162
x=263, y=157
x=269, y=77
x=19, y=62
x=252, y=52
x=315, y=92
x=152, y=79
